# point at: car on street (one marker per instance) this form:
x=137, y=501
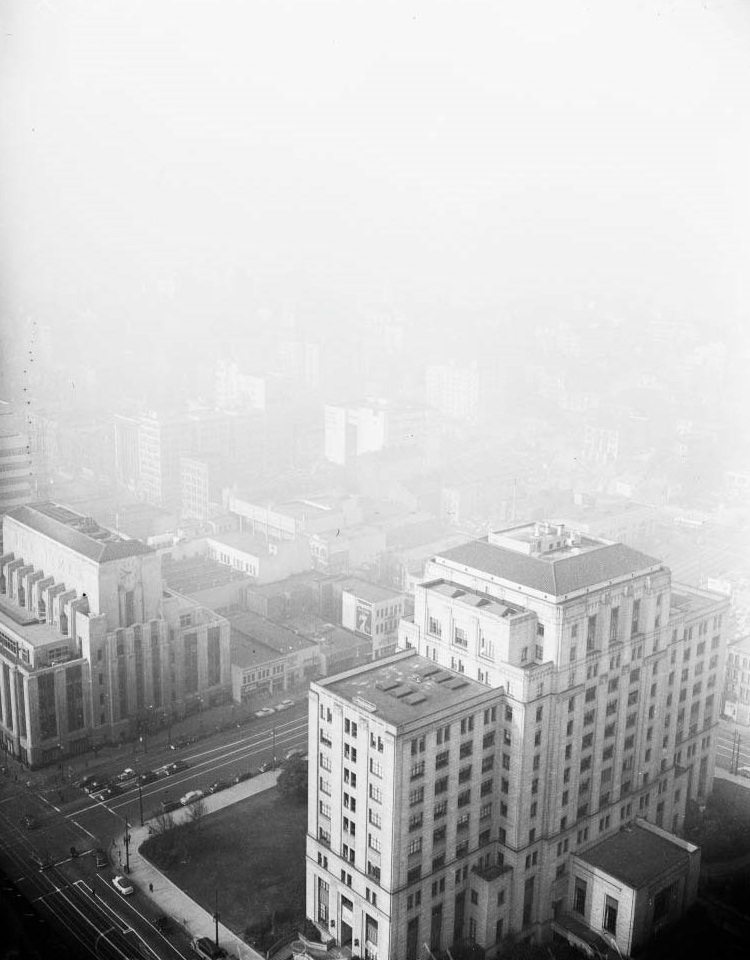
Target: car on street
x=177, y=767
x=247, y=775
x=28, y=822
x=123, y=886
x=128, y=775
x=181, y=742
x=219, y=785
x=265, y=712
x=206, y=948
x=148, y=777
x=101, y=858
x=743, y=772
x=192, y=796
x=95, y=783
x=284, y=705
x=296, y=752
x=86, y=781
x=268, y=765
x=169, y=806
x=107, y=793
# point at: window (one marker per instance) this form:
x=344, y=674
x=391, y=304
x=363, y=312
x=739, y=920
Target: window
x=415, y=846
x=434, y=627
x=440, y=809
x=417, y=770
x=610, y=915
x=441, y=785
x=591, y=633
x=613, y=622
x=464, y=798
x=415, y=821
x=579, y=896
x=467, y=724
x=464, y=774
x=487, y=763
x=416, y=796
x=488, y=740
x=373, y=842
x=438, y=835
x=441, y=759
x=417, y=745
x=636, y=617
x=466, y=749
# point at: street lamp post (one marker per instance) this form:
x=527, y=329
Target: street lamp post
x=127, y=846
x=140, y=799
x=216, y=915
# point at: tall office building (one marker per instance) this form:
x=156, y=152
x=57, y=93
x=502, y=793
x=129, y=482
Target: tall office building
x=90, y=641
x=15, y=460
x=558, y=688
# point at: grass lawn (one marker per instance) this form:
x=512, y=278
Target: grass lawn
x=252, y=852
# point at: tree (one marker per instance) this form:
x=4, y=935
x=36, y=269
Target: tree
x=196, y=812
x=292, y=782
x=163, y=823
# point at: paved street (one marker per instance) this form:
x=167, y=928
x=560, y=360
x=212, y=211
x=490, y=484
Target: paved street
x=80, y=898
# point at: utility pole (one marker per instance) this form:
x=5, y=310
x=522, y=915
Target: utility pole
x=127, y=846
x=140, y=799
x=216, y=915
x=273, y=735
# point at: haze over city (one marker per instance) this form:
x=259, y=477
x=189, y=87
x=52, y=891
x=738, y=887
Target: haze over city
x=374, y=479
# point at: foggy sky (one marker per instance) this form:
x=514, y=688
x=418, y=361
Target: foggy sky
x=457, y=153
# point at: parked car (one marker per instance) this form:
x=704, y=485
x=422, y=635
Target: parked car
x=168, y=806
x=247, y=775
x=192, y=796
x=296, y=752
x=181, y=742
x=268, y=765
x=265, y=712
x=284, y=705
x=28, y=822
x=101, y=858
x=148, y=777
x=218, y=786
x=743, y=772
x=206, y=948
x=85, y=782
x=123, y=886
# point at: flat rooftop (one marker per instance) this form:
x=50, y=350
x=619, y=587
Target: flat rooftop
x=254, y=627
x=635, y=855
x=252, y=543
x=18, y=620
x=77, y=532
x=405, y=688
x=366, y=590
x=691, y=601
x=199, y=573
x=475, y=598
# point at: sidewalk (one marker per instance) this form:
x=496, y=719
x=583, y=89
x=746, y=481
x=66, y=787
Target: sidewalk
x=174, y=902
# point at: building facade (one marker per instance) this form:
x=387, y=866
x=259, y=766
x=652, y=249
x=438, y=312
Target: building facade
x=91, y=642
x=605, y=679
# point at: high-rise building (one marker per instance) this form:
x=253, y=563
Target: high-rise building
x=558, y=687
x=90, y=641
x=15, y=460
x=454, y=390
x=149, y=449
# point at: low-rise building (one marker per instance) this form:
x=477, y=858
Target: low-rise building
x=373, y=611
x=627, y=888
x=261, y=559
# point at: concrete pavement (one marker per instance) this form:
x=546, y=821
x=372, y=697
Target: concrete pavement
x=196, y=920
